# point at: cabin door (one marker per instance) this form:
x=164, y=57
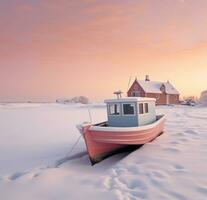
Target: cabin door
x=168, y=99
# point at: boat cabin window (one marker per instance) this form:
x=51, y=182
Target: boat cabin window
x=114, y=109
x=146, y=105
x=128, y=108
x=141, y=108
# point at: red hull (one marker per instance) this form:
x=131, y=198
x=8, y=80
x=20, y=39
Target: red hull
x=103, y=141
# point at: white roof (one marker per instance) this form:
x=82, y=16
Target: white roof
x=154, y=87
x=129, y=99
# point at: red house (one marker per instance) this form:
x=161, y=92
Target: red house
x=163, y=92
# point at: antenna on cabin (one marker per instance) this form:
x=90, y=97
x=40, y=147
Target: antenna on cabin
x=89, y=114
x=130, y=78
x=118, y=94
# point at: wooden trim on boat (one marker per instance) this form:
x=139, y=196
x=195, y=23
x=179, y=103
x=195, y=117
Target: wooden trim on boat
x=126, y=129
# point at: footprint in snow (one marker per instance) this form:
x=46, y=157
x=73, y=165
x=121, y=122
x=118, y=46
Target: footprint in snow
x=192, y=132
x=181, y=134
x=156, y=182
x=184, y=140
x=177, y=195
x=133, y=169
x=17, y=175
x=136, y=183
x=202, y=189
x=179, y=168
x=159, y=174
x=171, y=149
x=68, y=158
x=174, y=142
x=138, y=195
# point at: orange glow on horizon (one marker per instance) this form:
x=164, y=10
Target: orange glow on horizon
x=68, y=48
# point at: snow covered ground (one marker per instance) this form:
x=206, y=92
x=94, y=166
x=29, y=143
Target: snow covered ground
x=34, y=162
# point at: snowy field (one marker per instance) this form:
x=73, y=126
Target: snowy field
x=34, y=162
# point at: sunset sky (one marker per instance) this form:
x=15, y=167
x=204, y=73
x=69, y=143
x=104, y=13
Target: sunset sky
x=64, y=48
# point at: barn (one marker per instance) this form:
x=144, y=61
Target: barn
x=164, y=92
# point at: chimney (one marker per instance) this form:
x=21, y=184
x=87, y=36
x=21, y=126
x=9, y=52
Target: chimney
x=147, y=78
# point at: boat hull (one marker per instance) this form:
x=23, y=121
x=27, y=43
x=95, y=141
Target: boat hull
x=102, y=142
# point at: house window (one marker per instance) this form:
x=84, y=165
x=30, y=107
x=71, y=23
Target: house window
x=135, y=94
x=129, y=109
x=146, y=106
x=114, y=109
x=141, y=108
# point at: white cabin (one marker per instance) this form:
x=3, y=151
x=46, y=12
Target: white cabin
x=130, y=111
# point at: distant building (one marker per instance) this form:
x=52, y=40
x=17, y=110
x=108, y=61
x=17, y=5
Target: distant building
x=163, y=92
x=203, y=98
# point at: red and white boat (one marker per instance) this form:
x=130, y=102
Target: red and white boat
x=131, y=121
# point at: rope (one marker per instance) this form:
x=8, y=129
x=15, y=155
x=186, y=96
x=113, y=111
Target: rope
x=73, y=147
x=66, y=158
x=89, y=113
